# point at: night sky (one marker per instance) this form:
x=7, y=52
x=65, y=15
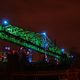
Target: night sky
x=60, y=19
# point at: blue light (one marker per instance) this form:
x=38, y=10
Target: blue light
x=62, y=50
x=30, y=59
x=44, y=33
x=5, y=22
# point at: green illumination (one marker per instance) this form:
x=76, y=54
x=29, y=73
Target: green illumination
x=22, y=43
x=33, y=37
x=28, y=39
x=1, y=28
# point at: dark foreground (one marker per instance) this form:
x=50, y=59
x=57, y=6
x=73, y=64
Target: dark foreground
x=38, y=71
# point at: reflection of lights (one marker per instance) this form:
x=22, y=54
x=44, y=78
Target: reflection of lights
x=4, y=57
x=46, y=60
x=21, y=48
x=56, y=59
x=56, y=56
x=13, y=52
x=46, y=56
x=7, y=48
x=57, y=63
x=71, y=56
x=28, y=52
x=30, y=59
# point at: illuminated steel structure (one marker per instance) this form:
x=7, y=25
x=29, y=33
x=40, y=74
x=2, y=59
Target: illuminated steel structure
x=28, y=39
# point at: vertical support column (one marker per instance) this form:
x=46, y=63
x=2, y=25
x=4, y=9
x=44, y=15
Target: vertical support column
x=45, y=45
x=29, y=55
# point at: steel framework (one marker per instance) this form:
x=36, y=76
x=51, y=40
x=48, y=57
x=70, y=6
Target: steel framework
x=28, y=39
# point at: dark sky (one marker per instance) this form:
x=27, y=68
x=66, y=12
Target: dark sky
x=59, y=18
